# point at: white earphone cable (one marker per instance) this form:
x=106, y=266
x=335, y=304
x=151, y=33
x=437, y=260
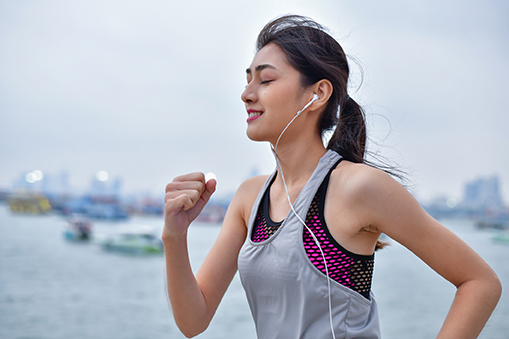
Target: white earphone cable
x=274, y=149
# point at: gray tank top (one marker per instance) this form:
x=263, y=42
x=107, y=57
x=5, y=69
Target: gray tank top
x=288, y=296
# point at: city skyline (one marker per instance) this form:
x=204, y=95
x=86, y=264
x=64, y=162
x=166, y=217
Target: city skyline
x=476, y=192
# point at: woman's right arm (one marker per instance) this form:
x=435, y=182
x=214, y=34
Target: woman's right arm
x=194, y=300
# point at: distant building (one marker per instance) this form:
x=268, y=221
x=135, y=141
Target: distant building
x=4, y=195
x=105, y=187
x=445, y=207
x=56, y=184
x=481, y=197
x=483, y=193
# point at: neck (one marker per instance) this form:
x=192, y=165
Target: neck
x=298, y=159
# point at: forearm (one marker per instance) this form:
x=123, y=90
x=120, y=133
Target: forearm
x=472, y=306
x=187, y=301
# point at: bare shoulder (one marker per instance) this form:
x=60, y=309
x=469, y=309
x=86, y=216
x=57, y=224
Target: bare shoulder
x=245, y=196
x=359, y=180
x=370, y=194
x=253, y=184
x=250, y=188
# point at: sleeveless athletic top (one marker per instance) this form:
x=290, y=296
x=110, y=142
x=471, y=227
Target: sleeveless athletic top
x=287, y=291
x=349, y=269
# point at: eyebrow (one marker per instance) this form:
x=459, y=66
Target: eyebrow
x=259, y=68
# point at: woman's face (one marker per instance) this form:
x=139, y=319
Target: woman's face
x=273, y=94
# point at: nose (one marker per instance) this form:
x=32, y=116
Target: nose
x=249, y=94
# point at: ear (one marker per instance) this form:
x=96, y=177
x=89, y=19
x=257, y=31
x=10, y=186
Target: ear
x=323, y=88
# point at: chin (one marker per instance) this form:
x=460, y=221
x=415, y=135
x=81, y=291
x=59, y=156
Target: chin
x=255, y=136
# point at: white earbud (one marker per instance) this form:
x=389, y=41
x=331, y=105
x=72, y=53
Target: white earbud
x=315, y=97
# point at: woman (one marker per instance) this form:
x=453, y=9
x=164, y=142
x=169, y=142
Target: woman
x=303, y=238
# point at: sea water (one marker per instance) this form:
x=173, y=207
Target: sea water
x=53, y=288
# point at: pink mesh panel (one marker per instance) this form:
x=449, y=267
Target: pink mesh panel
x=352, y=271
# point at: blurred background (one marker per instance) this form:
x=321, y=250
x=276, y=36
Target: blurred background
x=104, y=102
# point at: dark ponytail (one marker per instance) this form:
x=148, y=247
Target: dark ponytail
x=317, y=55
x=349, y=138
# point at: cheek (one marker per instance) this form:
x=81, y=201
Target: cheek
x=277, y=100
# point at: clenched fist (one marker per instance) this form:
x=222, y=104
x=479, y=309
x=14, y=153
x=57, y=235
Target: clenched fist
x=185, y=198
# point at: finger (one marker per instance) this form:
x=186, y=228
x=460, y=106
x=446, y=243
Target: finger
x=210, y=188
x=187, y=201
x=185, y=185
x=196, y=176
x=180, y=203
x=175, y=204
x=193, y=195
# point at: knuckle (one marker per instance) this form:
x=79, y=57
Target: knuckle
x=167, y=197
x=192, y=195
x=169, y=187
x=178, y=179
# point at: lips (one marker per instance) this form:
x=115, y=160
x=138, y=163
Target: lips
x=253, y=114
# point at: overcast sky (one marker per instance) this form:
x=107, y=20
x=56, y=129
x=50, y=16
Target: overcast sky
x=148, y=90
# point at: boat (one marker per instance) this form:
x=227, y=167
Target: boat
x=78, y=229
x=133, y=241
x=29, y=204
x=498, y=223
x=502, y=237
x=96, y=208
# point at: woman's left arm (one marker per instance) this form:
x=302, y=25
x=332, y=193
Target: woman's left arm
x=391, y=209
